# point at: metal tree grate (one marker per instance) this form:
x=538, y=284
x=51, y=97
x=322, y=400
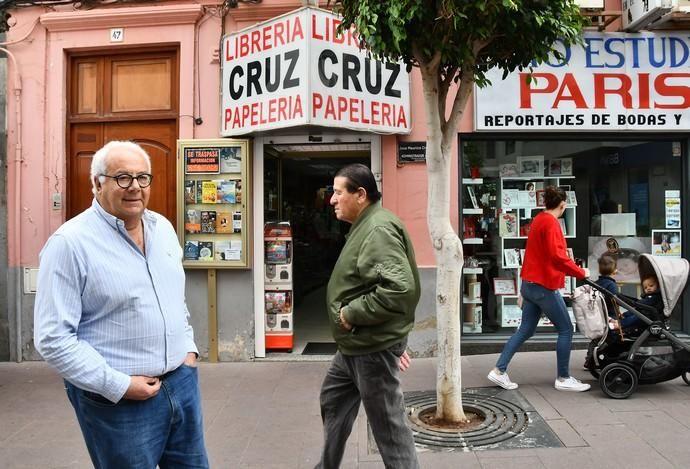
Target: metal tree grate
x=508, y=421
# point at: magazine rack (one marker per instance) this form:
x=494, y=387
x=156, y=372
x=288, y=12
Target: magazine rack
x=213, y=202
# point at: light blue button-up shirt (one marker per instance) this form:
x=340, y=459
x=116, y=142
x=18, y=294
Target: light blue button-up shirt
x=104, y=310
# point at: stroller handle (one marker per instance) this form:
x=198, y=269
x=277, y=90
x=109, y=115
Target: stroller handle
x=597, y=287
x=618, y=300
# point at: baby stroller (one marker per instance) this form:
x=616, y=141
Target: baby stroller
x=652, y=353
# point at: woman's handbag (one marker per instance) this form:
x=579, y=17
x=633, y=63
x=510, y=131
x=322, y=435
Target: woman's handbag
x=589, y=308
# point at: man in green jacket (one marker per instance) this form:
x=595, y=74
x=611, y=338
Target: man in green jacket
x=371, y=300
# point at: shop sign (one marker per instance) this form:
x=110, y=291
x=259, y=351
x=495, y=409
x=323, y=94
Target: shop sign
x=411, y=152
x=295, y=70
x=612, y=82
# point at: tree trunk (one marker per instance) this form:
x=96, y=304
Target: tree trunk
x=449, y=259
x=448, y=253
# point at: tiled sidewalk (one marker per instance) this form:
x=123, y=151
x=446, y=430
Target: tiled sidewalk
x=265, y=415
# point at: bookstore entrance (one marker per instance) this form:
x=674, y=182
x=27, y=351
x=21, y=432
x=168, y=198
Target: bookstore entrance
x=298, y=184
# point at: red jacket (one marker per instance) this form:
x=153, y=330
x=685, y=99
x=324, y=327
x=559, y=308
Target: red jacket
x=546, y=259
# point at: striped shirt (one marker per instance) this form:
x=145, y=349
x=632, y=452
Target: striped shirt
x=104, y=311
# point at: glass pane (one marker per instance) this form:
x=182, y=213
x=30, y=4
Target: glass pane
x=628, y=191
x=141, y=85
x=86, y=88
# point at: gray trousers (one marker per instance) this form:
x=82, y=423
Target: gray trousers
x=373, y=380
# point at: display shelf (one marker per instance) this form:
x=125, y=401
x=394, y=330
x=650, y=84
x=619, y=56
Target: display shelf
x=511, y=314
x=213, y=202
x=474, y=301
x=533, y=178
x=472, y=318
x=472, y=270
x=478, y=216
x=497, y=214
x=473, y=181
x=471, y=328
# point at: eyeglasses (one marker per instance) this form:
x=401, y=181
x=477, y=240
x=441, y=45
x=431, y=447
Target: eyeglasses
x=125, y=180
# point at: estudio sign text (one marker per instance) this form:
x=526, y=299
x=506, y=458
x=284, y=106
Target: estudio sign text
x=618, y=81
x=295, y=70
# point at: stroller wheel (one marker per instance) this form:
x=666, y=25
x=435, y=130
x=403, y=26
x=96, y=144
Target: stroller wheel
x=618, y=380
x=686, y=377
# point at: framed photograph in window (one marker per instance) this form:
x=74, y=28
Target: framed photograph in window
x=531, y=166
x=666, y=243
x=505, y=286
x=540, y=198
x=555, y=167
x=511, y=257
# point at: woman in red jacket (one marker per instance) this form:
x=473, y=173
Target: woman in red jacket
x=544, y=269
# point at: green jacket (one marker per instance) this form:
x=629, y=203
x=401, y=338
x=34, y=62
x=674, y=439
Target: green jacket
x=376, y=282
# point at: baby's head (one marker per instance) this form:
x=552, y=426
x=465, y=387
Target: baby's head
x=607, y=265
x=650, y=284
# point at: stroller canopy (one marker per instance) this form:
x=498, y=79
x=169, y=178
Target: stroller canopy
x=672, y=273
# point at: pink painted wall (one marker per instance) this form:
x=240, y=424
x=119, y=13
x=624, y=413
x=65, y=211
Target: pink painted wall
x=41, y=62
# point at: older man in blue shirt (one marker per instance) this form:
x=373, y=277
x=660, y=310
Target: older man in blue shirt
x=111, y=317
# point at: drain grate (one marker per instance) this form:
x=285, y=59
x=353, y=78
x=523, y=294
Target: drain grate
x=509, y=421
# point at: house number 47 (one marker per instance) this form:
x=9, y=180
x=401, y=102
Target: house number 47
x=117, y=35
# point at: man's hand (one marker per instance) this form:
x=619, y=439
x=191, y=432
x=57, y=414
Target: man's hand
x=142, y=388
x=405, y=361
x=346, y=325
x=191, y=359
x=587, y=272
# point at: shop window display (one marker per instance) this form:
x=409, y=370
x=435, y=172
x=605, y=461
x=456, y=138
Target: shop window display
x=623, y=198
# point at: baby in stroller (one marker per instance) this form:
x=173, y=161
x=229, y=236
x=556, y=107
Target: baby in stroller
x=652, y=307
x=639, y=346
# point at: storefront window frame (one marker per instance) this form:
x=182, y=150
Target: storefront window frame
x=683, y=139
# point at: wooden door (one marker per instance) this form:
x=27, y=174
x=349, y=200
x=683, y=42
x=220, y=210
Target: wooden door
x=132, y=95
x=158, y=138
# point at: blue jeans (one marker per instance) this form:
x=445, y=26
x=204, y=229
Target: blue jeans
x=165, y=430
x=535, y=301
x=371, y=379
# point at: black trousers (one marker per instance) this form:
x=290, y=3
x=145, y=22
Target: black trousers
x=373, y=380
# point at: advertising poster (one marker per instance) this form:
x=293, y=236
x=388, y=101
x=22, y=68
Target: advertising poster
x=626, y=250
x=202, y=160
x=672, y=203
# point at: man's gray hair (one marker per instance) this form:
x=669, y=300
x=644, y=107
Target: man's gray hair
x=99, y=163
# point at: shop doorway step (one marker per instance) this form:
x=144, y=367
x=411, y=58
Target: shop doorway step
x=320, y=348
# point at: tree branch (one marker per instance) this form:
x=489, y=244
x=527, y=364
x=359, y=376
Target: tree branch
x=459, y=103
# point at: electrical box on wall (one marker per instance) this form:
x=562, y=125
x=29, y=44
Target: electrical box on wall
x=638, y=14
x=30, y=280
x=56, y=201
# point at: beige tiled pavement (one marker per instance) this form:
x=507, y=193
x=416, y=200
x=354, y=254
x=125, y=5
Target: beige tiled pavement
x=265, y=415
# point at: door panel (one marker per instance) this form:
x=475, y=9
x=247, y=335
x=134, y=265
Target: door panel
x=157, y=138
x=124, y=95
x=85, y=140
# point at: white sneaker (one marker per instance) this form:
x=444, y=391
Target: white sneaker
x=571, y=384
x=501, y=379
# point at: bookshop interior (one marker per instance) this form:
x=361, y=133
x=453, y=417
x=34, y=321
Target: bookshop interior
x=298, y=184
x=623, y=197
